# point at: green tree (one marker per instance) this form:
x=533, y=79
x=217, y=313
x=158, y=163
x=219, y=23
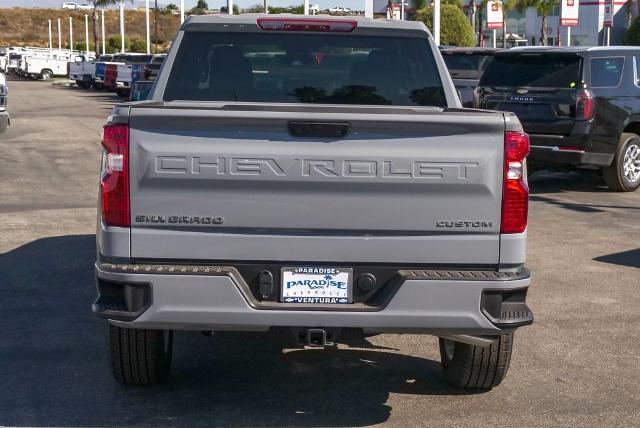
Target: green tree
x=632, y=35
x=236, y=9
x=80, y=46
x=299, y=9
x=455, y=29
x=544, y=9
x=138, y=45
x=507, y=5
x=628, y=4
x=115, y=43
x=171, y=6
x=201, y=8
x=256, y=8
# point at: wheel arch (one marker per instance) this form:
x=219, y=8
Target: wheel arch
x=631, y=125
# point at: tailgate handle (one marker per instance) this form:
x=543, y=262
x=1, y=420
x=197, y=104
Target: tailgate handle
x=318, y=129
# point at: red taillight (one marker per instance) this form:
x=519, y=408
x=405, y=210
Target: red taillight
x=515, y=194
x=114, y=182
x=585, y=104
x=305, y=24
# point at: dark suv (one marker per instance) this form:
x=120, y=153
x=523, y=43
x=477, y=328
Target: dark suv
x=466, y=66
x=580, y=106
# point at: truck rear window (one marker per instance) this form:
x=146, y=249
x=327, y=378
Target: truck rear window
x=533, y=70
x=305, y=68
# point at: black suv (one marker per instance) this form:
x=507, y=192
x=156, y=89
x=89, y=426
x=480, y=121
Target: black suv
x=580, y=106
x=466, y=66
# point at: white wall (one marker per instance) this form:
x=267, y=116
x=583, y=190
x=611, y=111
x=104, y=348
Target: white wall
x=589, y=32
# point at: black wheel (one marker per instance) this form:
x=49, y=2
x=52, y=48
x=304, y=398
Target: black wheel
x=476, y=367
x=97, y=86
x=83, y=84
x=624, y=173
x=122, y=93
x=139, y=357
x=46, y=74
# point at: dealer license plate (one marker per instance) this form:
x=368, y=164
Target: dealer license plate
x=316, y=285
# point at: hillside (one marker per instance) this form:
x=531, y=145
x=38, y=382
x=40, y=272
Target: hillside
x=29, y=27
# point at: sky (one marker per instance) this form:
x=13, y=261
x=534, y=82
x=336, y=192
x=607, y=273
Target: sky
x=324, y=4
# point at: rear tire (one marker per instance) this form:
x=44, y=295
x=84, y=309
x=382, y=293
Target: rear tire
x=122, y=93
x=97, y=86
x=624, y=173
x=83, y=84
x=139, y=357
x=46, y=74
x=476, y=367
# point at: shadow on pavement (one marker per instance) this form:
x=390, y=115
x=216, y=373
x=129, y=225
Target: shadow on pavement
x=574, y=181
x=629, y=258
x=556, y=183
x=54, y=371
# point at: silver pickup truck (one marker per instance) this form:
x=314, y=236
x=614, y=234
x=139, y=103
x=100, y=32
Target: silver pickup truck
x=313, y=175
x=4, y=93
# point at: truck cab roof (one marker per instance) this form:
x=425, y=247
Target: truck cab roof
x=249, y=20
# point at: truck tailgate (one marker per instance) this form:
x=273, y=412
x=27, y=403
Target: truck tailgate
x=251, y=182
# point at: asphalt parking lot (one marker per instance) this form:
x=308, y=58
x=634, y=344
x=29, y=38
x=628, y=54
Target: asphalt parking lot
x=579, y=364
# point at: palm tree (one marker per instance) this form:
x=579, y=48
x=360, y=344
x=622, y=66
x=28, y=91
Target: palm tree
x=94, y=17
x=544, y=8
x=507, y=5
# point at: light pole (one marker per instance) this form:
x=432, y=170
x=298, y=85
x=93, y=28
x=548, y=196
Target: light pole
x=50, y=45
x=436, y=22
x=121, y=26
x=155, y=27
x=86, y=33
x=368, y=8
x=59, y=36
x=104, y=41
x=181, y=11
x=306, y=7
x=146, y=16
x=70, y=34
x=230, y=7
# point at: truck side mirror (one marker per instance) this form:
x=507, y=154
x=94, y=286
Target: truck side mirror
x=140, y=90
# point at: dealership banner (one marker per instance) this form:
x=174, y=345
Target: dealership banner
x=494, y=14
x=608, y=13
x=569, y=12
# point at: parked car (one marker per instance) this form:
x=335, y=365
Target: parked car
x=151, y=70
x=101, y=64
x=581, y=106
x=4, y=115
x=85, y=6
x=466, y=66
x=83, y=70
x=322, y=195
x=111, y=69
x=131, y=71
x=69, y=5
x=13, y=61
x=45, y=65
x=4, y=58
x=140, y=90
